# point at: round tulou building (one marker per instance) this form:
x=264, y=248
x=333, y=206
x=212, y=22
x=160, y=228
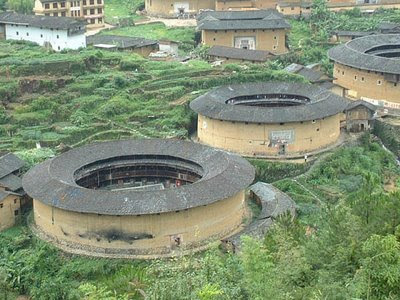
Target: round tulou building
x=138, y=198
x=368, y=68
x=269, y=119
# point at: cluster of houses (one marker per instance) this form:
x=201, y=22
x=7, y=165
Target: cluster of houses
x=173, y=8
x=278, y=120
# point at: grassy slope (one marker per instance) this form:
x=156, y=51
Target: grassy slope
x=106, y=95
x=115, y=9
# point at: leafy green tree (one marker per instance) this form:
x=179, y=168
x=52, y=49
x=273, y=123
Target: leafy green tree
x=21, y=6
x=379, y=275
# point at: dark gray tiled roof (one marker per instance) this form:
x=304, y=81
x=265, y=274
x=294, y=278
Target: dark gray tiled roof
x=353, y=33
x=388, y=26
x=120, y=41
x=41, y=21
x=230, y=20
x=53, y=183
x=308, y=73
x=237, y=53
x=322, y=103
x=354, y=104
x=353, y=53
x=10, y=163
x=11, y=182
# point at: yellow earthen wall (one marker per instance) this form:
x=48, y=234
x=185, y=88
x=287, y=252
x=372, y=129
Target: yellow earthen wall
x=269, y=40
x=252, y=139
x=233, y=5
x=7, y=216
x=39, y=9
x=194, y=225
x=371, y=85
x=166, y=7
x=243, y=5
x=293, y=11
x=359, y=113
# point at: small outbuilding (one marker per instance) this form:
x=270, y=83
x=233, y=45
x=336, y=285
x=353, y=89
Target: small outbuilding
x=11, y=192
x=137, y=45
x=360, y=116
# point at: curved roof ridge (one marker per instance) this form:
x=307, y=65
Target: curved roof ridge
x=322, y=103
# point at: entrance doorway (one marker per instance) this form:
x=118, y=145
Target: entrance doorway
x=282, y=149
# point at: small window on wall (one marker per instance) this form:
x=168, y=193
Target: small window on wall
x=379, y=82
x=27, y=34
x=17, y=33
x=355, y=77
x=63, y=14
x=58, y=36
x=362, y=79
x=41, y=35
x=1, y=205
x=16, y=212
x=274, y=47
x=58, y=48
x=47, y=6
x=313, y=121
x=343, y=73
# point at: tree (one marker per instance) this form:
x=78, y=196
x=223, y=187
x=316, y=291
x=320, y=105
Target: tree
x=379, y=276
x=21, y=6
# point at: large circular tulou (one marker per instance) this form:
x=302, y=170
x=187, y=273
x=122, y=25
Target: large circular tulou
x=269, y=119
x=138, y=198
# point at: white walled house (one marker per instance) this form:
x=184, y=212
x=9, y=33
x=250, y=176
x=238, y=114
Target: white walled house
x=57, y=33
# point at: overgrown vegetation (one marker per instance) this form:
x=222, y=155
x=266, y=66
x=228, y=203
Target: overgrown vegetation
x=344, y=244
x=117, y=11
x=79, y=97
x=309, y=39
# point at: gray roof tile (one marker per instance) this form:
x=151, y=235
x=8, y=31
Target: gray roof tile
x=237, y=53
x=10, y=163
x=53, y=182
x=230, y=20
x=353, y=53
x=41, y=21
x=322, y=103
x=120, y=41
